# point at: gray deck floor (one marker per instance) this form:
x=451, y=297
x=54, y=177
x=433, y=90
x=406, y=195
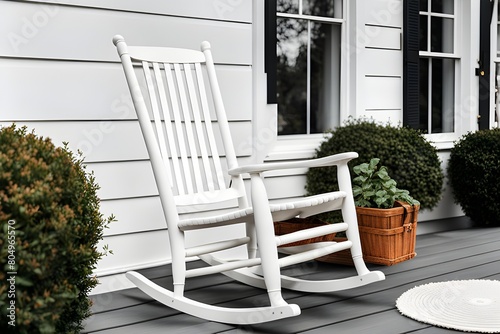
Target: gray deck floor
x=452, y=255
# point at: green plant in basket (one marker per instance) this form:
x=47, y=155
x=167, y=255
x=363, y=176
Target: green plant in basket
x=374, y=188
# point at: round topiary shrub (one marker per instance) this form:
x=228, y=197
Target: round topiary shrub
x=473, y=173
x=51, y=225
x=410, y=159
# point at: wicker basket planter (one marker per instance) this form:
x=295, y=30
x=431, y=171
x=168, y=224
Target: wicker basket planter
x=388, y=236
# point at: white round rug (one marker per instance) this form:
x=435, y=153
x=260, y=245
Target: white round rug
x=471, y=305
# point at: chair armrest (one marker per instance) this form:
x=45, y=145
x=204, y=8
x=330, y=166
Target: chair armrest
x=331, y=160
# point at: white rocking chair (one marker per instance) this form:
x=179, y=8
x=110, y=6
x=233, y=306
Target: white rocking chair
x=173, y=110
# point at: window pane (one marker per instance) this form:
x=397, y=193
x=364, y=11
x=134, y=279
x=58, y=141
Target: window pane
x=325, y=77
x=424, y=94
x=292, y=75
x=442, y=6
x=441, y=35
x=322, y=100
x=443, y=95
x=423, y=33
x=323, y=8
x=498, y=31
x=423, y=5
x=288, y=6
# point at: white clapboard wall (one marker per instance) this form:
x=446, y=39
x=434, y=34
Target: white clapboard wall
x=379, y=43
x=60, y=75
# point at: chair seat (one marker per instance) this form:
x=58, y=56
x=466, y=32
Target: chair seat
x=300, y=207
x=234, y=217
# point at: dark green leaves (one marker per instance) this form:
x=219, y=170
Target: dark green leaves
x=474, y=175
x=373, y=187
x=51, y=206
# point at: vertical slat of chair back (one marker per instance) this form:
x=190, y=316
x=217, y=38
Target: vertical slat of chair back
x=182, y=119
x=202, y=112
x=162, y=140
x=219, y=106
x=223, y=122
x=180, y=115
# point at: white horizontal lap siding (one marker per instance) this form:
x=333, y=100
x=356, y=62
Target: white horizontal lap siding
x=144, y=249
x=94, y=91
x=134, y=215
x=292, y=185
x=60, y=75
x=224, y=10
x=388, y=13
x=61, y=32
x=76, y=90
x=382, y=60
x=383, y=98
x=114, y=141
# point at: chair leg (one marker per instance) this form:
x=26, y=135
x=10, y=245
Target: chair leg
x=252, y=245
x=352, y=233
x=177, y=247
x=350, y=217
x=266, y=241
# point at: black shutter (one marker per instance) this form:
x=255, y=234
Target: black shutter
x=484, y=71
x=270, y=57
x=411, y=82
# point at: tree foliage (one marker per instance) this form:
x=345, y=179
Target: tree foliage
x=474, y=175
x=51, y=225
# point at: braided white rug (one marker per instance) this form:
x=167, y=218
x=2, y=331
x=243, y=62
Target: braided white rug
x=470, y=306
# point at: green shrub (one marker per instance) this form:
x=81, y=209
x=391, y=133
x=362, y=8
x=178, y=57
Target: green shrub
x=51, y=225
x=473, y=172
x=410, y=159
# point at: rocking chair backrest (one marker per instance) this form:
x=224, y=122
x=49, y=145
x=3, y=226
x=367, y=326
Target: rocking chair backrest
x=170, y=96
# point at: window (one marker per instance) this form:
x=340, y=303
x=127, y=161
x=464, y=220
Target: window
x=437, y=65
x=308, y=65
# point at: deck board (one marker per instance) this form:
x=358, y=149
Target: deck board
x=450, y=255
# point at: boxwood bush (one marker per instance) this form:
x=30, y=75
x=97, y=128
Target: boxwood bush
x=411, y=160
x=473, y=173
x=51, y=225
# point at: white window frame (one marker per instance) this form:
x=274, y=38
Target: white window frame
x=465, y=98
x=300, y=146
